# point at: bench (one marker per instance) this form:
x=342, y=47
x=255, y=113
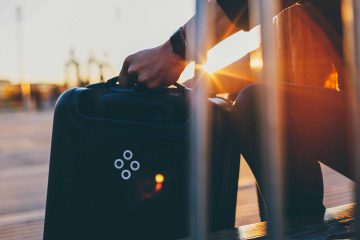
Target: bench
x=339, y=224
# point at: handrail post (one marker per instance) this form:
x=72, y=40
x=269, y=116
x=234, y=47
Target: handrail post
x=356, y=9
x=199, y=125
x=351, y=29
x=271, y=112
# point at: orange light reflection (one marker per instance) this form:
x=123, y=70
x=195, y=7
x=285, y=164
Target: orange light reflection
x=158, y=187
x=227, y=52
x=159, y=178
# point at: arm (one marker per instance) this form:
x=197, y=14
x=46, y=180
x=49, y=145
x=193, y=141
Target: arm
x=160, y=66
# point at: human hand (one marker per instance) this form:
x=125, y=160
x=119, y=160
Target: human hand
x=156, y=67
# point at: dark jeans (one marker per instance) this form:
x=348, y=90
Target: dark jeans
x=315, y=130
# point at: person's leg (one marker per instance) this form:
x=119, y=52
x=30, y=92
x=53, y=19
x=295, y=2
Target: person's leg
x=315, y=120
x=314, y=125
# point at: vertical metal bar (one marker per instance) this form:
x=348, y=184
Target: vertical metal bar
x=351, y=30
x=200, y=126
x=356, y=9
x=254, y=13
x=271, y=123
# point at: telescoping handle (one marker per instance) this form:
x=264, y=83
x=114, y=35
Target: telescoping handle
x=142, y=87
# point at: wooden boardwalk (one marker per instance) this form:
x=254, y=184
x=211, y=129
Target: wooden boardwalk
x=24, y=158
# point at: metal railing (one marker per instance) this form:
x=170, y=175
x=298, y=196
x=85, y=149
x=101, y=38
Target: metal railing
x=271, y=118
x=351, y=47
x=200, y=127
x=272, y=112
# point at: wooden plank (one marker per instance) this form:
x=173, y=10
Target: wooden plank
x=30, y=230
x=339, y=224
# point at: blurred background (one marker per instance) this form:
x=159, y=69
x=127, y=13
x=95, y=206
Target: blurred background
x=47, y=46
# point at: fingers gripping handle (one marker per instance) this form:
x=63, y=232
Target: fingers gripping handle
x=134, y=84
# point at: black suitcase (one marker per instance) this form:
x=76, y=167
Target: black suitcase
x=119, y=165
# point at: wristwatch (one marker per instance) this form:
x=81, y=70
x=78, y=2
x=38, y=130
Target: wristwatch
x=178, y=43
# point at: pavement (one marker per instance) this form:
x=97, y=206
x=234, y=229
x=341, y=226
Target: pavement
x=25, y=139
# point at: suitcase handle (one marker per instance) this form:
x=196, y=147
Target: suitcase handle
x=141, y=87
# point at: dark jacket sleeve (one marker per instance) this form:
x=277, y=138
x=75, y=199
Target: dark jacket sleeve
x=236, y=11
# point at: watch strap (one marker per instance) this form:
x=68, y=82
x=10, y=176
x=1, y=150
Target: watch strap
x=178, y=43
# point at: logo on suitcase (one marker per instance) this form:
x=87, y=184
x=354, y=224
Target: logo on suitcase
x=134, y=165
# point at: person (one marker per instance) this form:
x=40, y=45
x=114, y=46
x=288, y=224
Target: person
x=314, y=111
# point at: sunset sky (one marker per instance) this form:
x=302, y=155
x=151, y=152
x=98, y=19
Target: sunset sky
x=51, y=28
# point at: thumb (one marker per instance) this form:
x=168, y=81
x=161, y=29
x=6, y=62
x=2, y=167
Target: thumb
x=124, y=76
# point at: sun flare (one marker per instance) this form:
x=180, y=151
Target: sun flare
x=226, y=52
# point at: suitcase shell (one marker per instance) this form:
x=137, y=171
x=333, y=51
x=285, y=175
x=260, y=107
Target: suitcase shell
x=109, y=145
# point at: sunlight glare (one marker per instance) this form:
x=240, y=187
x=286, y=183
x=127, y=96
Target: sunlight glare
x=232, y=49
x=227, y=52
x=256, y=60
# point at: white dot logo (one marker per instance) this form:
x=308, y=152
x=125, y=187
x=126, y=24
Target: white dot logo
x=119, y=164
x=127, y=154
x=126, y=174
x=134, y=165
